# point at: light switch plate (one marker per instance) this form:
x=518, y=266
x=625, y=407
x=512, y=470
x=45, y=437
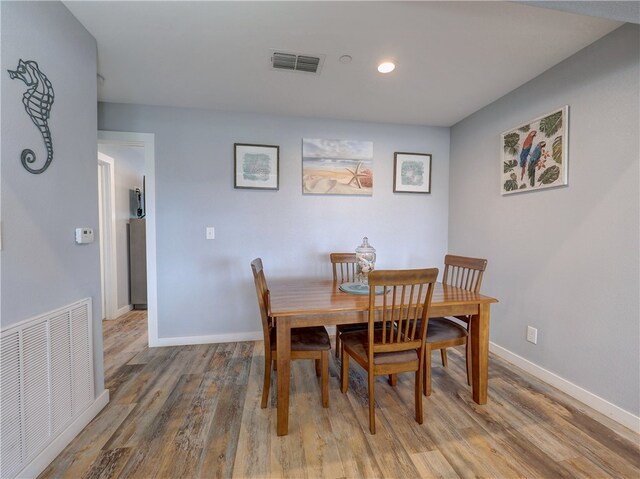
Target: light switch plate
x=84, y=235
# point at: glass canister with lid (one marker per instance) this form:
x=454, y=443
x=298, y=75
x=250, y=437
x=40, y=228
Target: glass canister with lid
x=365, y=261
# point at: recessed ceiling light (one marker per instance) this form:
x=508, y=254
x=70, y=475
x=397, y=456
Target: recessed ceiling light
x=345, y=59
x=386, y=67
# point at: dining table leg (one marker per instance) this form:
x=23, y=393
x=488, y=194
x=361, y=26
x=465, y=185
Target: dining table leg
x=283, y=356
x=480, y=353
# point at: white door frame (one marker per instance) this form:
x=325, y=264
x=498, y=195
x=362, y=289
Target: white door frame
x=147, y=141
x=107, y=214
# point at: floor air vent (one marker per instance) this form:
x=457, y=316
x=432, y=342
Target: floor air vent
x=296, y=62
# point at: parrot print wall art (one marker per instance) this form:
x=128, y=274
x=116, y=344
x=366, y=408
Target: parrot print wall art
x=524, y=149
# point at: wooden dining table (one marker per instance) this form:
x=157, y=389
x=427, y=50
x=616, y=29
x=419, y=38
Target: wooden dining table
x=300, y=302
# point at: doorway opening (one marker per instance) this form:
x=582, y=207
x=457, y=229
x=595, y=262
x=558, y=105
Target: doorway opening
x=133, y=175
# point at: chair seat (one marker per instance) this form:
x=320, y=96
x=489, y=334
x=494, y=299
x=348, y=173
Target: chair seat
x=358, y=342
x=347, y=328
x=314, y=338
x=443, y=329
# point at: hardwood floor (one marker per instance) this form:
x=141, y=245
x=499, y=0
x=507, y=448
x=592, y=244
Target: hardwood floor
x=194, y=411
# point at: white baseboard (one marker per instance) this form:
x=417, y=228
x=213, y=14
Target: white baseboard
x=601, y=405
x=40, y=463
x=210, y=339
x=120, y=312
x=216, y=338
x=124, y=310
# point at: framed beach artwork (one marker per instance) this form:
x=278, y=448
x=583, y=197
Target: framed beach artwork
x=534, y=155
x=337, y=167
x=411, y=173
x=256, y=166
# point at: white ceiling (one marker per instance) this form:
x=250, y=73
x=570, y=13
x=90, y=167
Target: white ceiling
x=452, y=58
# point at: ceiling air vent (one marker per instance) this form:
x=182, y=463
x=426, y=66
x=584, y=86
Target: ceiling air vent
x=296, y=62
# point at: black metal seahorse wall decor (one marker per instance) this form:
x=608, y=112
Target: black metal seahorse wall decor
x=37, y=100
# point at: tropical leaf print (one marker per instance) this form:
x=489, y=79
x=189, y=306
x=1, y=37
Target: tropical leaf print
x=524, y=128
x=550, y=175
x=512, y=183
x=557, y=150
x=511, y=143
x=510, y=165
x=549, y=125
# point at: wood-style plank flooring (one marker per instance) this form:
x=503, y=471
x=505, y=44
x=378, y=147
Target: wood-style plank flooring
x=194, y=411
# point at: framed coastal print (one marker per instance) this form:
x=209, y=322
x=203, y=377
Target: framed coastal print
x=337, y=167
x=256, y=166
x=534, y=154
x=411, y=172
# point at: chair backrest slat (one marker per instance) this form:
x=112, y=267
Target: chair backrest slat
x=405, y=308
x=464, y=272
x=344, y=267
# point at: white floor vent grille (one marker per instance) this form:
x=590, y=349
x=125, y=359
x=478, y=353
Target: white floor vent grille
x=46, y=381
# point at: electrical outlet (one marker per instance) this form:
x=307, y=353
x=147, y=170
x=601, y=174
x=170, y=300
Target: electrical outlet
x=211, y=233
x=532, y=335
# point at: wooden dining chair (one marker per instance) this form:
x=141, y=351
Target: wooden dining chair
x=306, y=343
x=394, y=341
x=461, y=272
x=344, y=267
x=344, y=271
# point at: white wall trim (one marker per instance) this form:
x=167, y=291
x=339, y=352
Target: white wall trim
x=210, y=339
x=108, y=246
x=601, y=405
x=146, y=140
x=124, y=310
x=220, y=338
x=42, y=460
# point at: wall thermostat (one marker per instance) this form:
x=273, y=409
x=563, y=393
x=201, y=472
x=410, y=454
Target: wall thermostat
x=84, y=235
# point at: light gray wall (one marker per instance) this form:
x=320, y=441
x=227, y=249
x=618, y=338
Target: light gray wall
x=42, y=267
x=128, y=165
x=563, y=260
x=206, y=287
